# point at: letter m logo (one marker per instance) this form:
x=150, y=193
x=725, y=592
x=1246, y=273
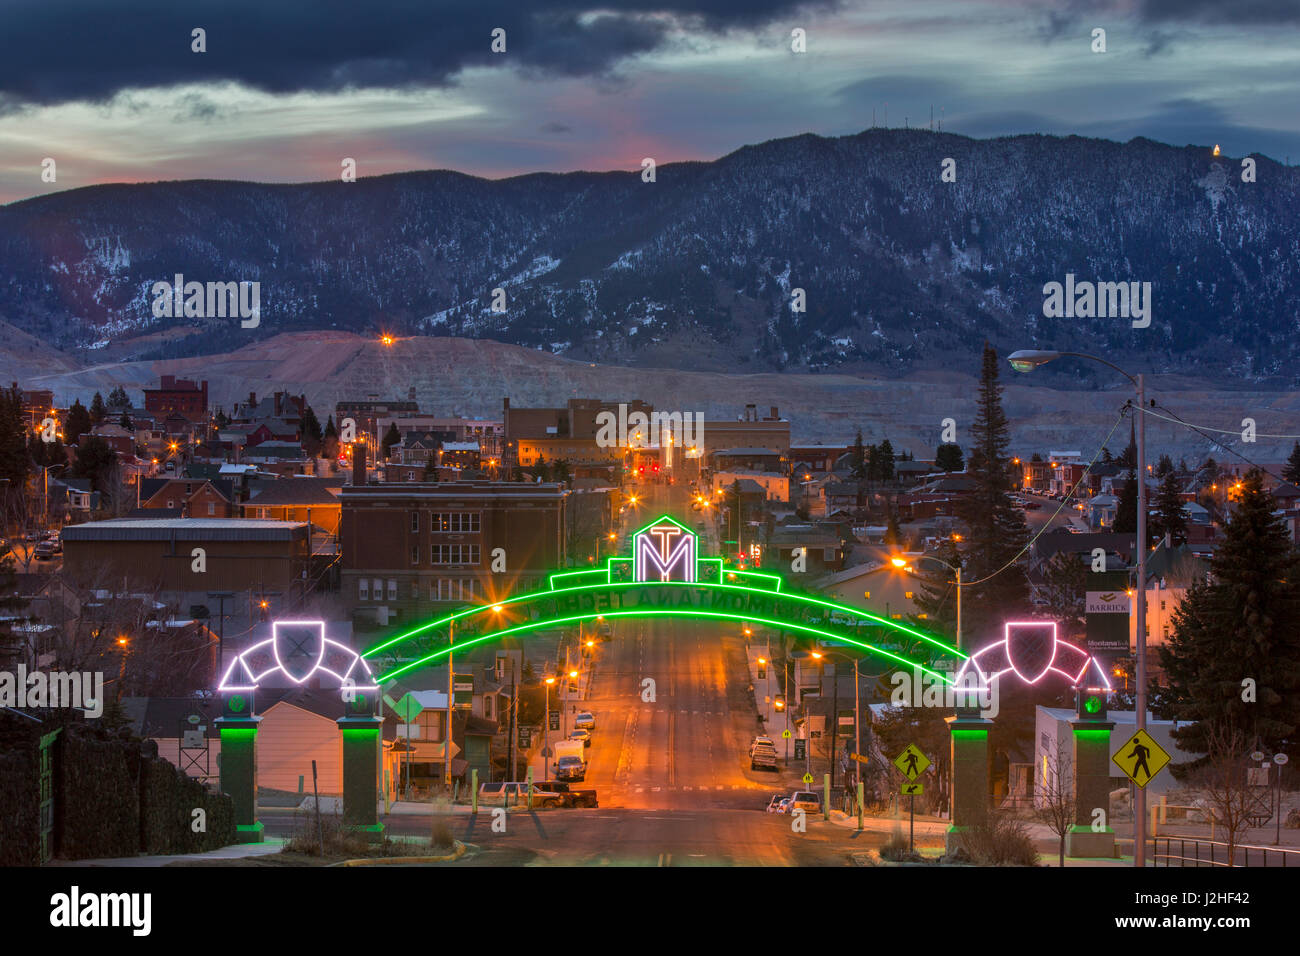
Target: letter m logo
x=663, y=551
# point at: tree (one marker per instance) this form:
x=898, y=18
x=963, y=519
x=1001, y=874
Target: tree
x=15, y=463
x=885, y=461
x=1054, y=804
x=117, y=398
x=330, y=439
x=310, y=432
x=1169, y=516
x=126, y=422
x=542, y=469
x=936, y=597
x=391, y=437
x=997, y=531
x=1106, y=457
x=858, y=459
x=77, y=423
x=97, y=409
x=1225, y=782
x=1127, y=510
x=1164, y=466
x=96, y=461
x=893, y=534
x=561, y=471
x=431, y=467
x=1233, y=657
x=949, y=458
x=1291, y=470
x=1066, y=583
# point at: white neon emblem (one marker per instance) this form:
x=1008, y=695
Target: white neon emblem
x=1008, y=655
x=654, y=550
x=325, y=656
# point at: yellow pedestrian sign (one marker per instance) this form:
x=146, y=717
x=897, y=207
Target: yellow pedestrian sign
x=786, y=734
x=912, y=762
x=912, y=789
x=1141, y=758
x=808, y=778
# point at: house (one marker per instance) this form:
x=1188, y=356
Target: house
x=821, y=549
x=872, y=584
x=1100, y=511
x=193, y=498
x=1054, y=736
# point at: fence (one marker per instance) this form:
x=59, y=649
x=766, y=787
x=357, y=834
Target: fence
x=1180, y=851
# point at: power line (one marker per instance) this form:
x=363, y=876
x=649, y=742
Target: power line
x=1198, y=429
x=1208, y=428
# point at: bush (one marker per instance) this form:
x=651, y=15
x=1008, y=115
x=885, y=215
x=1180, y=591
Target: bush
x=1001, y=840
x=898, y=851
x=440, y=837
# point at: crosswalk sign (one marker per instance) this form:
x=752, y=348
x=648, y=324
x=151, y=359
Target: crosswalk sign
x=912, y=789
x=808, y=778
x=1141, y=758
x=911, y=762
x=786, y=734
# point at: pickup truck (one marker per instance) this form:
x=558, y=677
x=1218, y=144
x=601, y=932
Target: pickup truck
x=762, y=754
x=515, y=794
x=572, y=798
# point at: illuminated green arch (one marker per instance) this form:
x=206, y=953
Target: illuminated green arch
x=620, y=590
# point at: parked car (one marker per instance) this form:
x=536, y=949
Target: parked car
x=762, y=754
x=45, y=551
x=585, y=721
x=806, y=800
x=779, y=803
x=572, y=798
x=583, y=735
x=515, y=793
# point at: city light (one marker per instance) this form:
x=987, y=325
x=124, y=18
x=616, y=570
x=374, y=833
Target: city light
x=386, y=339
x=898, y=562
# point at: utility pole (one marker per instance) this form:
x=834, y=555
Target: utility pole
x=451, y=692
x=1140, y=807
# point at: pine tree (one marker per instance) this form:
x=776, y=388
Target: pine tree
x=15, y=462
x=1169, y=517
x=948, y=457
x=330, y=439
x=431, y=467
x=77, y=423
x=1291, y=470
x=391, y=437
x=1233, y=659
x=309, y=431
x=997, y=531
x=1164, y=466
x=893, y=534
x=95, y=460
x=97, y=409
x=858, y=459
x=126, y=422
x=885, y=461
x=1127, y=510
x=117, y=398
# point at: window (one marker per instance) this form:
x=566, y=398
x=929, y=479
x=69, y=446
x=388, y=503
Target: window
x=1162, y=605
x=457, y=522
x=487, y=706
x=415, y=554
x=452, y=589
x=171, y=502
x=415, y=521
x=363, y=589
x=455, y=554
x=908, y=595
x=378, y=588
x=212, y=507
x=392, y=589
x=415, y=589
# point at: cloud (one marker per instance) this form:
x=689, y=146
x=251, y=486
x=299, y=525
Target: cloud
x=1240, y=12
x=91, y=50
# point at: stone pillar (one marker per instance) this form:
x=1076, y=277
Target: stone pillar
x=361, y=762
x=970, y=773
x=1091, y=790
x=239, y=773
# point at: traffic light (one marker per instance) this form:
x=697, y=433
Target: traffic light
x=1091, y=703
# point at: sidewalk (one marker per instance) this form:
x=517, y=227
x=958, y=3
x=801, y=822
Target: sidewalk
x=232, y=852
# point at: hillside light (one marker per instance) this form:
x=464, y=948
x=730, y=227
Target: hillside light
x=1026, y=360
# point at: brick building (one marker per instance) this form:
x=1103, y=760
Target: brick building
x=179, y=396
x=412, y=548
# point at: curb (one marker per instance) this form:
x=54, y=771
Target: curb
x=387, y=860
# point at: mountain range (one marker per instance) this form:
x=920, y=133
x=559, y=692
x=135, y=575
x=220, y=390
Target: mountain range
x=697, y=270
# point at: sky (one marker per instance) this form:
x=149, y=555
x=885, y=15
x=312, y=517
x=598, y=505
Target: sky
x=287, y=89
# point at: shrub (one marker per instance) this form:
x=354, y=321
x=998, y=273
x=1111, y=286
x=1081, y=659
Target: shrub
x=1001, y=840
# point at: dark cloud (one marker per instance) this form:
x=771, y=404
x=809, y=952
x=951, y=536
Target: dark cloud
x=91, y=50
x=1220, y=11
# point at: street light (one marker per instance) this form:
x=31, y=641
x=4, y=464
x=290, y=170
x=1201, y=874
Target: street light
x=546, y=739
x=1026, y=361
x=902, y=563
x=857, y=717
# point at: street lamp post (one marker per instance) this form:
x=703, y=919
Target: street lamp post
x=857, y=714
x=902, y=563
x=546, y=733
x=1027, y=360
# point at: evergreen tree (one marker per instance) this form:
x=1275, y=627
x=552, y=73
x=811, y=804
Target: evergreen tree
x=1106, y=457
x=1126, y=510
x=542, y=470
x=97, y=409
x=1169, y=517
x=431, y=467
x=1182, y=466
x=858, y=459
x=77, y=423
x=873, y=463
x=948, y=457
x=95, y=460
x=46, y=453
x=1291, y=470
x=330, y=439
x=117, y=398
x=1066, y=580
x=15, y=462
x=1233, y=659
x=126, y=422
x=936, y=597
x=885, y=461
x=561, y=472
x=391, y=437
x=309, y=431
x=1164, y=466
x=997, y=531
x=893, y=534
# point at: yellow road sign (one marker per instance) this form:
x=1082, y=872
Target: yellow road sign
x=912, y=789
x=911, y=762
x=1141, y=758
x=860, y=758
x=808, y=778
x=786, y=734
